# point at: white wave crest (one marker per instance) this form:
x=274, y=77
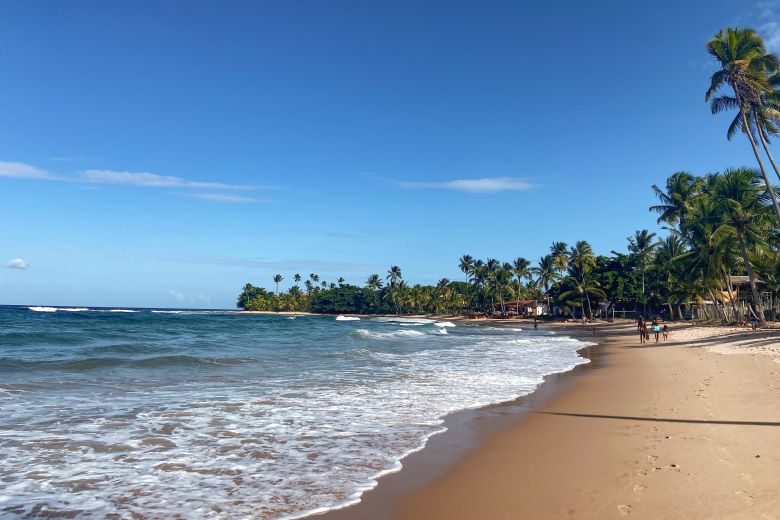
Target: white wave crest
x=444, y=324
x=364, y=333
x=43, y=309
x=120, y=310
x=347, y=318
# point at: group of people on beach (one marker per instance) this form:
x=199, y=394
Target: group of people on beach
x=658, y=329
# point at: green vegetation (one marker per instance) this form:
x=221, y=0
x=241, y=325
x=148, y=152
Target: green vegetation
x=720, y=226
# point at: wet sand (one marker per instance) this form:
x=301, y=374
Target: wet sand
x=673, y=431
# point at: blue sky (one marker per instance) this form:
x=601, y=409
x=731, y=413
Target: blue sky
x=165, y=153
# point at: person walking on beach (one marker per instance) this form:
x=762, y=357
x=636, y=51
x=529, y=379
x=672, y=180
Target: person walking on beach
x=656, y=328
x=642, y=331
x=665, y=331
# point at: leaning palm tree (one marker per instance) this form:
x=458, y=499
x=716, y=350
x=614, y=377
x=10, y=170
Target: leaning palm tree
x=746, y=67
x=277, y=279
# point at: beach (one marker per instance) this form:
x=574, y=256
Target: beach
x=688, y=429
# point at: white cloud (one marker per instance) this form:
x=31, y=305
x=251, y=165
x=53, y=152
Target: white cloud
x=17, y=263
x=152, y=180
x=23, y=171
x=483, y=185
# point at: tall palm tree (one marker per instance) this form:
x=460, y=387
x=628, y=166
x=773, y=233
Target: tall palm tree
x=297, y=278
x=374, y=282
x=581, y=261
x=546, y=273
x=746, y=67
x=560, y=255
x=341, y=281
x=521, y=268
x=642, y=246
x=393, y=274
x=278, y=278
x=466, y=265
x=681, y=189
x=740, y=199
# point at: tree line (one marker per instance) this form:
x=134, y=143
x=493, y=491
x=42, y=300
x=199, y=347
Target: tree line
x=717, y=226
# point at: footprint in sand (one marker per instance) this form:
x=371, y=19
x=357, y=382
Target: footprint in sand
x=744, y=495
x=639, y=488
x=624, y=509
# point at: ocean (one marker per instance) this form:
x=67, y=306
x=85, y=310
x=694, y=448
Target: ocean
x=110, y=413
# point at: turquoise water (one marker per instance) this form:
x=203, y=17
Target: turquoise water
x=107, y=412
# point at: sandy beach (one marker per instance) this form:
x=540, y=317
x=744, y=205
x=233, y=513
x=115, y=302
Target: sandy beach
x=688, y=429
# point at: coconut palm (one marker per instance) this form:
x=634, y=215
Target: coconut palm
x=740, y=199
x=681, y=189
x=466, y=265
x=297, y=278
x=277, y=279
x=560, y=255
x=374, y=282
x=746, y=67
x=393, y=274
x=641, y=245
x=546, y=273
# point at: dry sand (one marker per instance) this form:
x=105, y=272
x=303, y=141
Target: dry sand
x=668, y=431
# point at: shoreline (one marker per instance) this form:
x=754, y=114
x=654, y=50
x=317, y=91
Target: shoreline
x=676, y=430
x=466, y=430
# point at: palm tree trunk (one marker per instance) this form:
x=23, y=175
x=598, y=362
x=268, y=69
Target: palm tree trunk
x=766, y=149
x=731, y=296
x=590, y=311
x=749, y=268
x=760, y=162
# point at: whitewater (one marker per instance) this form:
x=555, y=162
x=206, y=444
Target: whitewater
x=223, y=415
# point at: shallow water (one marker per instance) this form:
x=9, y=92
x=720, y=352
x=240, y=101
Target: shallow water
x=218, y=415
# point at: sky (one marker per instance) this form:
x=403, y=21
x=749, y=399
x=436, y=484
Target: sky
x=166, y=153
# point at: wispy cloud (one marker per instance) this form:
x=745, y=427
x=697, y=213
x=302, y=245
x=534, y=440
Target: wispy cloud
x=23, y=171
x=299, y=264
x=767, y=14
x=152, y=180
x=95, y=178
x=483, y=185
x=17, y=263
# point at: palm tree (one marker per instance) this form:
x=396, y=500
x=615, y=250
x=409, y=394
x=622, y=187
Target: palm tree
x=466, y=265
x=521, y=268
x=560, y=254
x=745, y=66
x=681, y=189
x=581, y=261
x=393, y=274
x=546, y=273
x=641, y=245
x=297, y=278
x=341, y=281
x=374, y=282
x=278, y=278
x=740, y=199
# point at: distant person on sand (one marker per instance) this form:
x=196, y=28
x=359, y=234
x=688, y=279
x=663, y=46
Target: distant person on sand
x=665, y=331
x=656, y=328
x=642, y=331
